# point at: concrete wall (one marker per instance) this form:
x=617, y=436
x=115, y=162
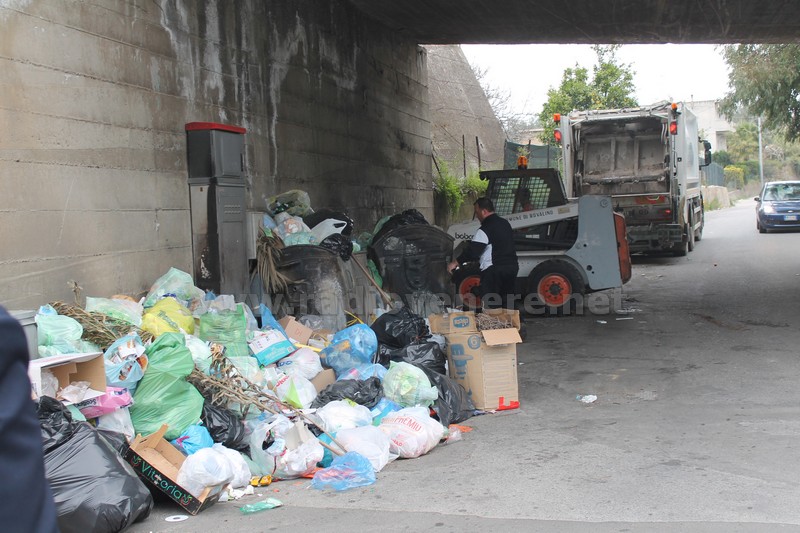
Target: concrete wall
x=459, y=109
x=94, y=97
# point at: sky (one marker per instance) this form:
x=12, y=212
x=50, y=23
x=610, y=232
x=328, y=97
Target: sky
x=676, y=72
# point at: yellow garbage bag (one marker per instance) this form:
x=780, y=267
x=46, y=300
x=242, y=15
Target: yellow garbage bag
x=168, y=316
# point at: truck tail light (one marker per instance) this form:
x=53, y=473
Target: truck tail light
x=557, y=118
x=673, y=128
x=557, y=135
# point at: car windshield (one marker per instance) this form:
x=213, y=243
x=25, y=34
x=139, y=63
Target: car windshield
x=782, y=191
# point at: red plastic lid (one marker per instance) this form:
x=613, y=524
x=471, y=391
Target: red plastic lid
x=199, y=126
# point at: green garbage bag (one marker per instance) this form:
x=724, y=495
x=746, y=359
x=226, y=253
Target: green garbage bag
x=228, y=328
x=407, y=385
x=163, y=395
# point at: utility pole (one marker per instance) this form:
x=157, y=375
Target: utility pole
x=760, y=154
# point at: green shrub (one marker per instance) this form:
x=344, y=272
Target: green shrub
x=447, y=185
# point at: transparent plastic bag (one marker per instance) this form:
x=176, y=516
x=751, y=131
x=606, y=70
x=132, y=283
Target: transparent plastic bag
x=277, y=460
x=125, y=362
x=241, y=472
x=412, y=431
x=125, y=310
x=346, y=472
x=205, y=468
x=174, y=282
x=295, y=390
x=228, y=328
x=370, y=442
x=339, y=414
x=304, y=362
x=294, y=202
x=57, y=331
x=118, y=421
x=201, y=352
x=408, y=386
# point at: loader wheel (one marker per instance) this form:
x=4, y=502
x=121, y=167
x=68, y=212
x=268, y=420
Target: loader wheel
x=466, y=278
x=555, y=283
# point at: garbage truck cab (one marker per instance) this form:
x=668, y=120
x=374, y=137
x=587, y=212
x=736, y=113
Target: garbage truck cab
x=566, y=248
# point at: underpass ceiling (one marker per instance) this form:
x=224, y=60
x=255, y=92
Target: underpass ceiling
x=588, y=21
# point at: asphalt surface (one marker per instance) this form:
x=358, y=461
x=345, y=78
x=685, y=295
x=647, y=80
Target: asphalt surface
x=695, y=426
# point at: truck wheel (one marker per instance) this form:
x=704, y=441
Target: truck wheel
x=699, y=235
x=466, y=278
x=555, y=283
x=682, y=248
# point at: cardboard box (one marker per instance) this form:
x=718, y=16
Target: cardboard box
x=68, y=368
x=158, y=462
x=323, y=379
x=455, y=322
x=485, y=364
x=297, y=332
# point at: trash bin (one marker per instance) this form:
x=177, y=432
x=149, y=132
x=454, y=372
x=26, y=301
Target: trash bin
x=413, y=261
x=320, y=283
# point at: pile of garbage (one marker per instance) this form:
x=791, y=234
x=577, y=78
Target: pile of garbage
x=187, y=393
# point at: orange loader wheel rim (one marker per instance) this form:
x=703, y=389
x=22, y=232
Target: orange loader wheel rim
x=465, y=291
x=554, y=290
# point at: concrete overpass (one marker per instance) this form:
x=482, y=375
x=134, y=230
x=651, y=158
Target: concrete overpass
x=587, y=21
x=334, y=97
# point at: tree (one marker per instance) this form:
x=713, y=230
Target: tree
x=611, y=86
x=743, y=143
x=500, y=102
x=765, y=82
x=722, y=158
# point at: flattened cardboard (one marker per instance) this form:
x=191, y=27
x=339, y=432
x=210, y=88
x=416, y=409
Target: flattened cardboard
x=500, y=337
x=297, y=332
x=487, y=373
x=158, y=462
x=323, y=379
x=68, y=368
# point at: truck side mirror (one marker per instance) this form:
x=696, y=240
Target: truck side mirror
x=707, y=158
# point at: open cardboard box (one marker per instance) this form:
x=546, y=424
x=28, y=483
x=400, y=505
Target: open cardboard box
x=158, y=462
x=68, y=368
x=297, y=332
x=485, y=364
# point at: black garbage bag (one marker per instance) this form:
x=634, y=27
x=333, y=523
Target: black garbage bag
x=399, y=327
x=338, y=244
x=94, y=489
x=55, y=422
x=224, y=426
x=453, y=404
x=117, y=440
x=406, y=218
x=324, y=214
x=366, y=392
x=425, y=353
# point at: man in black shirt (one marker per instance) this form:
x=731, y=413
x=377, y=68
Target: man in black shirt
x=493, y=246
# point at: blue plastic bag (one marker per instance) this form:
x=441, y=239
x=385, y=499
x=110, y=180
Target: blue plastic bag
x=195, y=437
x=123, y=362
x=276, y=344
x=383, y=408
x=347, y=471
x=350, y=348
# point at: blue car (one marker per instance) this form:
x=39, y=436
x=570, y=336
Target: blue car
x=778, y=206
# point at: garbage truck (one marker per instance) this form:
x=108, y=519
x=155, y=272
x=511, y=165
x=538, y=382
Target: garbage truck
x=647, y=159
x=565, y=248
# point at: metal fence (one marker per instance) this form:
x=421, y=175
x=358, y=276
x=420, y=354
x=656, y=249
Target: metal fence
x=538, y=156
x=713, y=174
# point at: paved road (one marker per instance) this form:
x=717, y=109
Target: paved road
x=695, y=427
